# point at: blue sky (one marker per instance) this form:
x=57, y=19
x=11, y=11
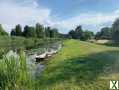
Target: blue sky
x=62, y=14
x=70, y=8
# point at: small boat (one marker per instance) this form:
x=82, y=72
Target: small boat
x=51, y=52
x=41, y=57
x=48, y=53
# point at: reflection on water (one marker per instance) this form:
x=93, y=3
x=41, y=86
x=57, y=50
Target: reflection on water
x=36, y=68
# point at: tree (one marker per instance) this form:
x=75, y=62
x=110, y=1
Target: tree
x=105, y=33
x=53, y=33
x=13, y=33
x=87, y=35
x=47, y=31
x=40, y=31
x=18, y=30
x=2, y=31
x=115, y=30
x=98, y=35
x=29, y=31
x=32, y=32
x=72, y=34
x=79, y=32
x=25, y=32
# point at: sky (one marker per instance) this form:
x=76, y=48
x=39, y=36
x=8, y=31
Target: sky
x=62, y=14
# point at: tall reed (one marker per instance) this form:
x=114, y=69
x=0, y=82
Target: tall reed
x=14, y=74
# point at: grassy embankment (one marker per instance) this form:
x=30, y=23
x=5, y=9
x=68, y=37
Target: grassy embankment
x=14, y=73
x=81, y=66
x=78, y=66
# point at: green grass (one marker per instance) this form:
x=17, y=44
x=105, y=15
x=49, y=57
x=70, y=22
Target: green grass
x=14, y=74
x=77, y=66
x=81, y=66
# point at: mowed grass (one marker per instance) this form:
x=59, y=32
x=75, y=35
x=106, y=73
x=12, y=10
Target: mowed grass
x=81, y=66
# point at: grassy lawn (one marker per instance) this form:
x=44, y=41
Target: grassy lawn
x=81, y=66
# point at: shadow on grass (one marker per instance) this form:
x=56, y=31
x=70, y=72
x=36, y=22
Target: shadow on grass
x=112, y=44
x=81, y=69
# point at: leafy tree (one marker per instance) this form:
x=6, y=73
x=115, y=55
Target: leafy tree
x=87, y=35
x=51, y=32
x=115, y=30
x=98, y=35
x=105, y=33
x=79, y=32
x=13, y=32
x=47, y=31
x=29, y=31
x=2, y=31
x=32, y=32
x=40, y=31
x=72, y=34
x=26, y=30
x=18, y=30
x=54, y=33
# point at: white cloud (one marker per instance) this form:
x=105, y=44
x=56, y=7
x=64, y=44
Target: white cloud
x=94, y=20
x=29, y=12
x=12, y=13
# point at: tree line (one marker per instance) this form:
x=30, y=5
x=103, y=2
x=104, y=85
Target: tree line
x=79, y=33
x=110, y=33
x=38, y=31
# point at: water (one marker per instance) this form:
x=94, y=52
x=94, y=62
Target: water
x=36, y=68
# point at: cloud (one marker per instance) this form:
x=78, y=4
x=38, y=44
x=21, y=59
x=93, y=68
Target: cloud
x=12, y=12
x=89, y=20
x=29, y=12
